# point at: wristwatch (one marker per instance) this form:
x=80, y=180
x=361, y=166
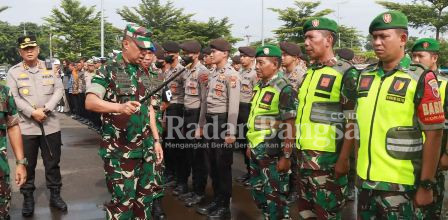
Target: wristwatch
x=287, y=155
x=427, y=184
x=23, y=161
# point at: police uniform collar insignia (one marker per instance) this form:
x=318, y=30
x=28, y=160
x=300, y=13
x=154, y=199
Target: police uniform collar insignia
x=387, y=18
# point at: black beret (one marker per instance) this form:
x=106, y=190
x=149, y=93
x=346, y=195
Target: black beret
x=192, y=46
x=248, y=51
x=220, y=44
x=171, y=46
x=26, y=41
x=236, y=59
x=160, y=52
x=290, y=48
x=207, y=51
x=345, y=54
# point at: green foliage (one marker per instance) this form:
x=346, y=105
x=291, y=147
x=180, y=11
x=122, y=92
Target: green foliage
x=350, y=37
x=170, y=23
x=8, y=41
x=295, y=17
x=426, y=15
x=266, y=41
x=76, y=31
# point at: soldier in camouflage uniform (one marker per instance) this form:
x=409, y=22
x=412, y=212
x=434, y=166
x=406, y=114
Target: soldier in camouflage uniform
x=156, y=105
x=9, y=124
x=294, y=70
x=130, y=146
x=273, y=110
x=321, y=123
x=397, y=103
x=426, y=51
x=248, y=81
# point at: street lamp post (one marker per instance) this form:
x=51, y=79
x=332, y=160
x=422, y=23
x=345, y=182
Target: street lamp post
x=339, y=20
x=102, y=28
x=262, y=22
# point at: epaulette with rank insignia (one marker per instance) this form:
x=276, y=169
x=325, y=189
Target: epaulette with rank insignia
x=15, y=66
x=369, y=68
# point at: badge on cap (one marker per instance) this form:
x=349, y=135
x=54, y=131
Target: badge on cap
x=425, y=45
x=315, y=23
x=387, y=18
x=266, y=51
x=26, y=40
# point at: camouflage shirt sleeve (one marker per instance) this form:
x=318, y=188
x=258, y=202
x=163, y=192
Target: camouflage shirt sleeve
x=99, y=83
x=288, y=103
x=348, y=89
x=12, y=114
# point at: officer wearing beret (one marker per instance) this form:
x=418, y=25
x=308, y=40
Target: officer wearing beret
x=292, y=63
x=249, y=79
x=174, y=115
x=270, y=134
x=130, y=145
x=397, y=102
x=37, y=92
x=236, y=62
x=323, y=104
x=194, y=156
x=220, y=107
x=426, y=52
x=208, y=59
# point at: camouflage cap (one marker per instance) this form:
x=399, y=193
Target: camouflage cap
x=426, y=44
x=389, y=20
x=269, y=51
x=141, y=35
x=27, y=41
x=320, y=23
x=247, y=51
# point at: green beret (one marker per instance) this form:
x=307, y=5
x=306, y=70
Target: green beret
x=389, y=20
x=426, y=44
x=141, y=35
x=320, y=23
x=268, y=51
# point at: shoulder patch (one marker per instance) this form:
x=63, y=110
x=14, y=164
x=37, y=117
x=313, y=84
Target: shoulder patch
x=369, y=68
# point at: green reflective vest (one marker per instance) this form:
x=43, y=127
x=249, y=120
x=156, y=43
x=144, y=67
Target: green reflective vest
x=320, y=121
x=262, y=122
x=391, y=142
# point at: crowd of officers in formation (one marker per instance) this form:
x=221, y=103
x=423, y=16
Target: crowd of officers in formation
x=296, y=122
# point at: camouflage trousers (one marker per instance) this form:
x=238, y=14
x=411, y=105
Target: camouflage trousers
x=134, y=184
x=269, y=187
x=5, y=187
x=434, y=210
x=320, y=195
x=377, y=204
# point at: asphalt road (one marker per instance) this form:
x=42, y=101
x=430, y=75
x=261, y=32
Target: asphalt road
x=84, y=187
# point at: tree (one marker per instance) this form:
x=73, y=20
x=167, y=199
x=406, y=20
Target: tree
x=170, y=23
x=427, y=15
x=266, y=41
x=350, y=37
x=2, y=8
x=8, y=41
x=295, y=17
x=76, y=31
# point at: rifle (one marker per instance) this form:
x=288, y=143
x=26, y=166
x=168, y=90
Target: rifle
x=161, y=86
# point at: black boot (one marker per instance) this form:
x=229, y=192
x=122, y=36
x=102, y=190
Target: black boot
x=56, y=200
x=209, y=208
x=157, y=209
x=28, y=204
x=180, y=189
x=194, y=200
x=220, y=213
